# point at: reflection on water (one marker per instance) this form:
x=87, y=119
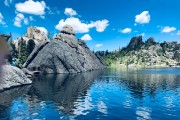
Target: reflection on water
x=109, y=94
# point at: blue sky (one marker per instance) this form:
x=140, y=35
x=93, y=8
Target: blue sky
x=103, y=24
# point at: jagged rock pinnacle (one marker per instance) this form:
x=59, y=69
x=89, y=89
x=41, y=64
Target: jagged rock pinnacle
x=36, y=34
x=67, y=29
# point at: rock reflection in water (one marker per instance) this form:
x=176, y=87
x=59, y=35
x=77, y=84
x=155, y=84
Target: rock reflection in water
x=58, y=92
x=8, y=96
x=62, y=89
x=95, y=95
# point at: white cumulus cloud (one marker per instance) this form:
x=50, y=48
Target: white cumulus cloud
x=98, y=45
x=78, y=26
x=81, y=27
x=168, y=29
x=143, y=18
x=70, y=12
x=126, y=30
x=100, y=25
x=42, y=29
x=1, y=19
x=31, y=7
x=19, y=19
x=86, y=37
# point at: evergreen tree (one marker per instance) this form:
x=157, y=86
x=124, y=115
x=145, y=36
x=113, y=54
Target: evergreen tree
x=30, y=46
x=107, y=52
x=22, y=50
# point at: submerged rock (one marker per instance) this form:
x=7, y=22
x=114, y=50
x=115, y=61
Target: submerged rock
x=12, y=77
x=64, y=54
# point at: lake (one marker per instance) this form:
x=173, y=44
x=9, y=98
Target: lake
x=104, y=94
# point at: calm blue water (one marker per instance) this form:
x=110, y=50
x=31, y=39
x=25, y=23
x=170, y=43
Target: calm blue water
x=109, y=94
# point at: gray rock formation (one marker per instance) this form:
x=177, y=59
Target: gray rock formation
x=135, y=43
x=150, y=42
x=33, y=33
x=64, y=54
x=36, y=34
x=177, y=55
x=12, y=77
x=67, y=29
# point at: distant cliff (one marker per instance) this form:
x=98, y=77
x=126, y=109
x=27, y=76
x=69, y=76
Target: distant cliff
x=148, y=54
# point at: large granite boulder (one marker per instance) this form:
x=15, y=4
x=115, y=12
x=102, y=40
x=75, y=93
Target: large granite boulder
x=64, y=54
x=67, y=29
x=11, y=77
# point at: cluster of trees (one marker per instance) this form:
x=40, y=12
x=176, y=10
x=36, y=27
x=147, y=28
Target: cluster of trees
x=140, y=56
x=109, y=57
x=19, y=55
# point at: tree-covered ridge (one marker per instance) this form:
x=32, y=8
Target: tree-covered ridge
x=148, y=53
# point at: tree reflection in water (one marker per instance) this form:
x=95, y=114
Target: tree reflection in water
x=141, y=85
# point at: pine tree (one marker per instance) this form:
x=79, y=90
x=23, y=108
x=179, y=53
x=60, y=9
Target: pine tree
x=30, y=46
x=22, y=56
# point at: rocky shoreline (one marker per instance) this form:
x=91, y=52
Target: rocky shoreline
x=12, y=77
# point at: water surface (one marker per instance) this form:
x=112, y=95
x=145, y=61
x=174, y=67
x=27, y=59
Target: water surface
x=109, y=94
